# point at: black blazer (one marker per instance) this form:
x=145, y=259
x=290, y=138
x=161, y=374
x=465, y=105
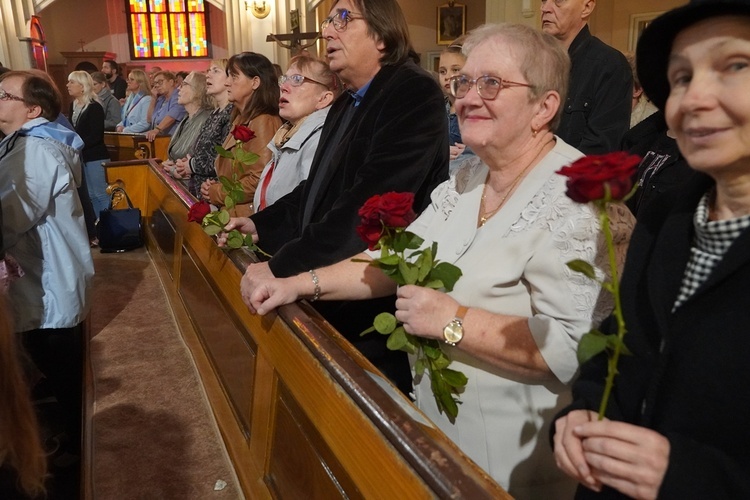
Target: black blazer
x=687, y=378
x=90, y=126
x=397, y=141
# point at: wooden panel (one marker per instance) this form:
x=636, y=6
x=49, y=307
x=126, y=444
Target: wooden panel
x=232, y=354
x=310, y=392
x=301, y=465
x=126, y=147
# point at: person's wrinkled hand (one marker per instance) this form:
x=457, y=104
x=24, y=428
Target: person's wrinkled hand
x=629, y=458
x=205, y=186
x=424, y=311
x=256, y=276
x=119, y=128
x=245, y=225
x=151, y=135
x=569, y=448
x=269, y=294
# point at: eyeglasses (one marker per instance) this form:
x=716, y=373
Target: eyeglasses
x=339, y=20
x=297, y=80
x=5, y=96
x=487, y=86
x=159, y=82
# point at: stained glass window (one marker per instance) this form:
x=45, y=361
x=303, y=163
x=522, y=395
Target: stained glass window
x=163, y=29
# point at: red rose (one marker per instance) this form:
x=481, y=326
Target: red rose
x=198, y=211
x=392, y=209
x=242, y=133
x=370, y=233
x=588, y=177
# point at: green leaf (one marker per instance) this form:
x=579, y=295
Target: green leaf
x=454, y=378
x=391, y=260
x=613, y=341
x=235, y=239
x=224, y=217
x=434, y=284
x=246, y=157
x=222, y=152
x=228, y=202
x=406, y=239
x=419, y=367
x=448, y=404
x=447, y=273
x=432, y=352
x=425, y=266
x=442, y=361
x=397, y=340
x=212, y=229
x=408, y=271
x=385, y=323
x=226, y=183
x=591, y=344
x=583, y=267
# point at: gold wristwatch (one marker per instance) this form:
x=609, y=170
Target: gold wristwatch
x=454, y=331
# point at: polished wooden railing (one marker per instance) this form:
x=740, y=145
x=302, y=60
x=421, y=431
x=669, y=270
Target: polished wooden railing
x=302, y=413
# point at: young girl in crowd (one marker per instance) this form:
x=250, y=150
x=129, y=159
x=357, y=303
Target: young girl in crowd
x=451, y=62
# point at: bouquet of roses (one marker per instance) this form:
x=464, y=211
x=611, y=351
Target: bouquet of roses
x=602, y=180
x=213, y=222
x=383, y=222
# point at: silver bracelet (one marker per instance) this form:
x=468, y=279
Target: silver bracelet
x=316, y=282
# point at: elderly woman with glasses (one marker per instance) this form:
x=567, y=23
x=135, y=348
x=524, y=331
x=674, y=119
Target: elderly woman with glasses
x=307, y=90
x=513, y=321
x=192, y=95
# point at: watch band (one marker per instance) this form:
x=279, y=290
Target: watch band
x=461, y=312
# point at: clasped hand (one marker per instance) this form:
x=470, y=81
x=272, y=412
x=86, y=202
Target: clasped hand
x=626, y=457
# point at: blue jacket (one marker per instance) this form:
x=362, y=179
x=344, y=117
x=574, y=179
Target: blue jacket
x=43, y=226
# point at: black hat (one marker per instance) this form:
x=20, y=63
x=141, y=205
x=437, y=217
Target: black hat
x=655, y=44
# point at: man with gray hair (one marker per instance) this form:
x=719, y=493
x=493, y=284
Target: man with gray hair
x=597, y=111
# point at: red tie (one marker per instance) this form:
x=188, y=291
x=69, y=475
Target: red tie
x=264, y=187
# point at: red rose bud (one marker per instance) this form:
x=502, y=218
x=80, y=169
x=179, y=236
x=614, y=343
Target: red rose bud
x=198, y=211
x=588, y=176
x=370, y=234
x=391, y=209
x=242, y=133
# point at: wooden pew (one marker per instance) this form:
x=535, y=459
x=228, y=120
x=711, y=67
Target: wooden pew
x=302, y=414
x=125, y=146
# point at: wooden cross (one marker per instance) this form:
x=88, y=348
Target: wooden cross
x=82, y=42
x=293, y=40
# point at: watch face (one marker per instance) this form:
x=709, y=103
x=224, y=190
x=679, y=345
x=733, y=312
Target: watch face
x=454, y=332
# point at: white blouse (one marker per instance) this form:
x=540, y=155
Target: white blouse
x=516, y=264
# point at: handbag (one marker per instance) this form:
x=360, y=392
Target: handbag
x=119, y=230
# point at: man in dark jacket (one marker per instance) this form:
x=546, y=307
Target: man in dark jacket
x=597, y=110
x=388, y=133
x=116, y=82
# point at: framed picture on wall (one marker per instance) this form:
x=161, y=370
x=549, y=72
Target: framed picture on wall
x=638, y=23
x=451, y=22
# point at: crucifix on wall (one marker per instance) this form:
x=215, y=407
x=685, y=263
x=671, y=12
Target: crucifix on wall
x=294, y=40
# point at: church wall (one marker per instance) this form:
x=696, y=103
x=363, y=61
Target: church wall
x=103, y=27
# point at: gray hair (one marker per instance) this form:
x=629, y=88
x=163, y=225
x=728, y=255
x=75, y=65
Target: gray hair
x=541, y=58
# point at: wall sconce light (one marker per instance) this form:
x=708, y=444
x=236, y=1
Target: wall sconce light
x=260, y=9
